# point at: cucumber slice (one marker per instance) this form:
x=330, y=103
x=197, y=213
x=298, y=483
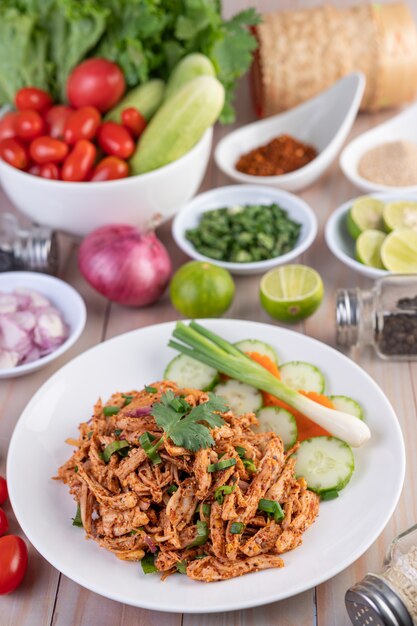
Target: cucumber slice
x=280, y=421
x=188, y=372
x=347, y=405
x=240, y=397
x=302, y=376
x=326, y=463
x=254, y=345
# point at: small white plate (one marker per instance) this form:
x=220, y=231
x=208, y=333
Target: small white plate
x=323, y=121
x=298, y=210
x=63, y=297
x=402, y=127
x=345, y=528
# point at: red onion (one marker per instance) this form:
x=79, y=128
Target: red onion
x=150, y=544
x=139, y=411
x=125, y=265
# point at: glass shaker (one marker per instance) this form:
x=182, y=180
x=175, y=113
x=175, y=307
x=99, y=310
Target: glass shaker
x=34, y=248
x=385, y=317
x=388, y=598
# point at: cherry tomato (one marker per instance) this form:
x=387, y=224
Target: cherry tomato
x=13, y=562
x=133, y=121
x=4, y=494
x=96, y=82
x=4, y=523
x=7, y=128
x=82, y=124
x=34, y=99
x=34, y=169
x=12, y=151
x=110, y=168
x=115, y=140
x=49, y=170
x=79, y=162
x=48, y=150
x=56, y=119
x=29, y=125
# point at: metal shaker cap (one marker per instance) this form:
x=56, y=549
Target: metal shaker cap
x=372, y=602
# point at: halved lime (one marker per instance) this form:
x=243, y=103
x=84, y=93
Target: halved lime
x=368, y=248
x=365, y=214
x=399, y=251
x=291, y=293
x=400, y=214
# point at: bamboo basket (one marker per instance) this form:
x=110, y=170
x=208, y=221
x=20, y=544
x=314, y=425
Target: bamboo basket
x=302, y=52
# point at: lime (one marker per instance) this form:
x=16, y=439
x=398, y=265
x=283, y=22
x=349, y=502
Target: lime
x=365, y=214
x=399, y=251
x=400, y=214
x=200, y=289
x=291, y=293
x=368, y=248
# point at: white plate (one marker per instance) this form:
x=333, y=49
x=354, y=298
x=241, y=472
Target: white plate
x=346, y=527
x=298, y=210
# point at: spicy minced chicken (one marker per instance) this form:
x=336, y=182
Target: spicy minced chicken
x=225, y=504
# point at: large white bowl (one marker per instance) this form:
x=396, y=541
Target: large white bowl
x=79, y=208
x=297, y=209
x=323, y=121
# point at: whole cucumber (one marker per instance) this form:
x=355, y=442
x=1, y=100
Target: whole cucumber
x=191, y=66
x=179, y=124
x=146, y=98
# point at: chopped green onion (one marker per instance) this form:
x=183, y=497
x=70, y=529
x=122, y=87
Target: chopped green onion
x=128, y=399
x=148, y=564
x=241, y=451
x=221, y=465
x=75, y=468
x=132, y=533
x=272, y=508
x=181, y=567
x=222, y=491
x=150, y=389
x=150, y=449
x=111, y=410
x=200, y=556
x=202, y=535
x=77, y=521
x=118, y=432
x=330, y=494
x=205, y=509
x=249, y=464
x=113, y=447
x=90, y=434
x=172, y=489
x=236, y=528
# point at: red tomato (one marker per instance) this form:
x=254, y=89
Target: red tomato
x=7, y=129
x=79, y=162
x=48, y=150
x=82, y=124
x=4, y=494
x=115, y=140
x=34, y=169
x=29, y=125
x=4, y=523
x=13, y=562
x=56, y=118
x=110, y=168
x=96, y=82
x=49, y=170
x=33, y=98
x=13, y=153
x=133, y=121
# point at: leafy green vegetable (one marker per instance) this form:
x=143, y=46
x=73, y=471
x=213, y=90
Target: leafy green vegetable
x=181, y=567
x=77, y=521
x=110, y=410
x=202, y=535
x=148, y=564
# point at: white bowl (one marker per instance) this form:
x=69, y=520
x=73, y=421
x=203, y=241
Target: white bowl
x=297, y=209
x=323, y=121
x=342, y=245
x=402, y=127
x=63, y=297
x=79, y=208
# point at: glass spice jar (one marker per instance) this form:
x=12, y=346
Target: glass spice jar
x=388, y=598
x=385, y=317
x=34, y=248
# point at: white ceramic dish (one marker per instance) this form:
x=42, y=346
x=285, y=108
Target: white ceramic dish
x=63, y=297
x=402, y=127
x=298, y=210
x=342, y=245
x=79, y=208
x=323, y=121
x=344, y=529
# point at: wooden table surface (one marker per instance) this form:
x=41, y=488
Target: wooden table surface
x=48, y=598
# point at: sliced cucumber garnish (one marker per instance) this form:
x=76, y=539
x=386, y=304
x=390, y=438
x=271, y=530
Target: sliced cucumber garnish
x=188, y=372
x=254, y=345
x=240, y=397
x=326, y=463
x=280, y=421
x=347, y=405
x=302, y=376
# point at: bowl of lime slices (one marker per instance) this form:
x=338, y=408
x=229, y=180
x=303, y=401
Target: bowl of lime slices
x=375, y=234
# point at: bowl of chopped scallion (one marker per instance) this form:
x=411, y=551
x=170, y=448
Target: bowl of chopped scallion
x=246, y=229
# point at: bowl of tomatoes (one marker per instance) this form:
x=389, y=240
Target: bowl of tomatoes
x=67, y=165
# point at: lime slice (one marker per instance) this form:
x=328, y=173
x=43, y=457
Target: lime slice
x=291, y=293
x=368, y=248
x=365, y=214
x=400, y=214
x=399, y=251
